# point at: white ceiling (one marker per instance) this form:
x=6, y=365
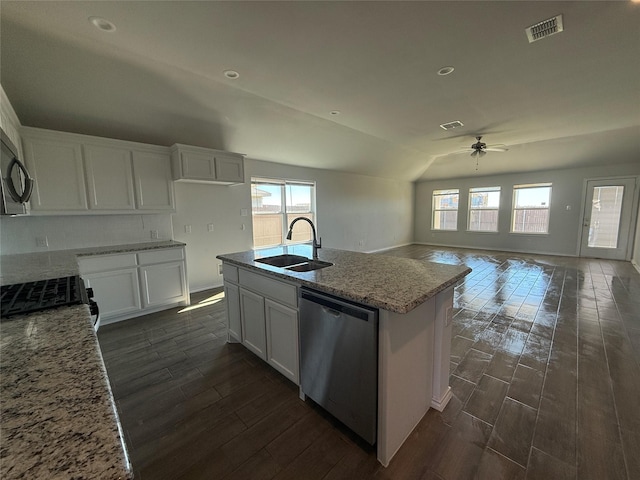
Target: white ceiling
x=568, y=100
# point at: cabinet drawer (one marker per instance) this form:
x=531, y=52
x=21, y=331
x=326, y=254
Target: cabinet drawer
x=105, y=263
x=274, y=289
x=230, y=273
x=160, y=256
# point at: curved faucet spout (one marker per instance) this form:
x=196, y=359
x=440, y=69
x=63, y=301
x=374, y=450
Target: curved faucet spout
x=316, y=244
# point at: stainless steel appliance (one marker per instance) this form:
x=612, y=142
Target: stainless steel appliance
x=29, y=297
x=16, y=184
x=339, y=359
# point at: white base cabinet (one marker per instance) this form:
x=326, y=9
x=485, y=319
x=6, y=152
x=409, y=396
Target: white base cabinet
x=131, y=284
x=253, y=325
x=262, y=313
x=116, y=292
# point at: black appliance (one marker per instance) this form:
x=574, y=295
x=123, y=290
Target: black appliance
x=15, y=183
x=41, y=295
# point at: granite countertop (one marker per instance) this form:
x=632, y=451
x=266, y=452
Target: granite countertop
x=58, y=418
x=390, y=283
x=28, y=267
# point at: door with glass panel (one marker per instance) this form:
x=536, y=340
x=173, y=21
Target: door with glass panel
x=610, y=208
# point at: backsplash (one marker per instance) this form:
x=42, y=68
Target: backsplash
x=26, y=234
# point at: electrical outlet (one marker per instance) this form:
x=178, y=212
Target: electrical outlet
x=154, y=234
x=361, y=243
x=187, y=229
x=244, y=212
x=220, y=269
x=42, y=241
x=242, y=227
x=210, y=227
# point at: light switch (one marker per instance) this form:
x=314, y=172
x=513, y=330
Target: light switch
x=210, y=227
x=187, y=229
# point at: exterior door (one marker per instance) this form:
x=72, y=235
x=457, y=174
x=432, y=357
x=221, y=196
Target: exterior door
x=610, y=208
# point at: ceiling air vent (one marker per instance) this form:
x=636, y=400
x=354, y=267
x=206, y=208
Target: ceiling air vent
x=452, y=125
x=544, y=29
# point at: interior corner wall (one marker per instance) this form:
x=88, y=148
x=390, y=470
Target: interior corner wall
x=354, y=212
x=567, y=198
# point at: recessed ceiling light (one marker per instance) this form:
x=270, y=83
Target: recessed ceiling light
x=102, y=24
x=445, y=71
x=334, y=112
x=232, y=74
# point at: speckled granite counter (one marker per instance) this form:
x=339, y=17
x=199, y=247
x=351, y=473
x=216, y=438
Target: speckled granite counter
x=27, y=267
x=390, y=283
x=58, y=419
x=57, y=415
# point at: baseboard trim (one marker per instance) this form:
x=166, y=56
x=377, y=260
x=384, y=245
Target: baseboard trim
x=440, y=404
x=487, y=249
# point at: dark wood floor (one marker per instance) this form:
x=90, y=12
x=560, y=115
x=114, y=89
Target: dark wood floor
x=545, y=369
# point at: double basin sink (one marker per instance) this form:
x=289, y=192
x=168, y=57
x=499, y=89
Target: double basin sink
x=295, y=263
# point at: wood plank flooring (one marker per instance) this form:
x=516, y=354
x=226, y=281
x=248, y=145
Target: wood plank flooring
x=545, y=370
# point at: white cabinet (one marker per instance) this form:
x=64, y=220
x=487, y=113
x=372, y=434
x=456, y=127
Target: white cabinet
x=253, y=324
x=130, y=284
x=262, y=313
x=115, y=282
x=153, y=181
x=83, y=174
x=234, y=322
x=162, y=284
x=109, y=178
x=282, y=338
x=57, y=167
x=116, y=292
x=197, y=164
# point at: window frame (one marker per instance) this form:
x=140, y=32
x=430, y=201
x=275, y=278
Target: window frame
x=441, y=193
x=472, y=209
x=284, y=212
x=515, y=208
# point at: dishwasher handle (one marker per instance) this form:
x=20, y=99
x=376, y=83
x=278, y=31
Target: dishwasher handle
x=336, y=308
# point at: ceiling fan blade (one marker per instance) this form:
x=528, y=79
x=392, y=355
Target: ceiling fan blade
x=496, y=148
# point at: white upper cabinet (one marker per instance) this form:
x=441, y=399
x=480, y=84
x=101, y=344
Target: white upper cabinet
x=75, y=173
x=109, y=178
x=57, y=167
x=153, y=181
x=197, y=164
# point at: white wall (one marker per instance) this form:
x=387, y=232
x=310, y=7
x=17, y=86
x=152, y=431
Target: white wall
x=564, y=225
x=18, y=234
x=350, y=209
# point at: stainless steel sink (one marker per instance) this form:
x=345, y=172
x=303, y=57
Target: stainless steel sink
x=309, y=266
x=283, y=260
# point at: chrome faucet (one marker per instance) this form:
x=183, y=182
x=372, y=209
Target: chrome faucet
x=316, y=244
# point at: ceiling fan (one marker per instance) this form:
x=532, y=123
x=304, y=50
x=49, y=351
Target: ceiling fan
x=480, y=148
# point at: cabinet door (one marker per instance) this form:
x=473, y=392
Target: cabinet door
x=58, y=170
x=229, y=169
x=153, y=182
x=234, y=323
x=117, y=293
x=109, y=178
x=282, y=339
x=163, y=284
x=198, y=165
x=253, y=327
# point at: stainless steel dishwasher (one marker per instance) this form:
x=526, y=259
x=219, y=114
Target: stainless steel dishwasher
x=339, y=359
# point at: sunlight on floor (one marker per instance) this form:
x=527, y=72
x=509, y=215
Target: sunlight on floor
x=204, y=303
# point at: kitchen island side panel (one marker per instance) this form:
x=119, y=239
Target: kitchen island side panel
x=405, y=374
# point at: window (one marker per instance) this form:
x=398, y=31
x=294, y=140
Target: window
x=484, y=203
x=445, y=209
x=531, y=208
x=274, y=204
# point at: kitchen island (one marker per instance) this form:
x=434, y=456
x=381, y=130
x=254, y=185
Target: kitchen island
x=415, y=301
